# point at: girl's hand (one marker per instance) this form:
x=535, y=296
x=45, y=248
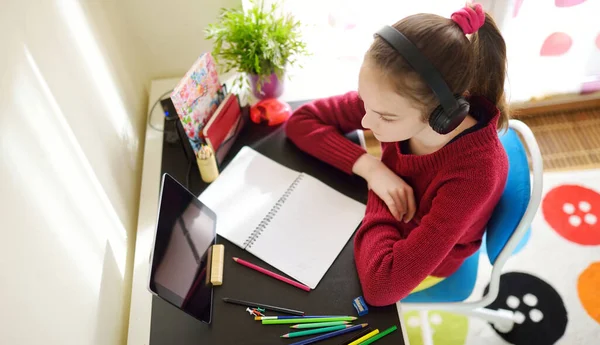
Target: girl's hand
x=397, y=194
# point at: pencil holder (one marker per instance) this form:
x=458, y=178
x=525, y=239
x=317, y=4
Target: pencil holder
x=207, y=164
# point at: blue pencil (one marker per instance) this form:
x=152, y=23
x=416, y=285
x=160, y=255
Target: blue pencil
x=330, y=335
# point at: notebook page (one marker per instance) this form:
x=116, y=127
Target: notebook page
x=244, y=193
x=309, y=231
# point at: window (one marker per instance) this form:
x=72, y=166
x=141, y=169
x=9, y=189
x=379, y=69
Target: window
x=338, y=32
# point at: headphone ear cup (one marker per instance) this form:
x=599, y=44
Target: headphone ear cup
x=437, y=119
x=444, y=123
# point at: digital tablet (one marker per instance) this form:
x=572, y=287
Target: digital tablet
x=181, y=254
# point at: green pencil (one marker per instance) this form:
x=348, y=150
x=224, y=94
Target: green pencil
x=320, y=324
x=379, y=336
x=315, y=331
x=307, y=320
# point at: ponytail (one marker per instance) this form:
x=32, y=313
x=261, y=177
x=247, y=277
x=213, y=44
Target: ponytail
x=489, y=51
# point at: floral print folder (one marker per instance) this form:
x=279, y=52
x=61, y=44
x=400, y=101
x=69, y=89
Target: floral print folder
x=197, y=96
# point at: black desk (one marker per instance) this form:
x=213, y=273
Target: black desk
x=232, y=324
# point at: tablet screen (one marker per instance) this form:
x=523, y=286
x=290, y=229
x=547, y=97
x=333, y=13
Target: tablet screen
x=186, y=230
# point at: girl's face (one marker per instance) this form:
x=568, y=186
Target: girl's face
x=390, y=116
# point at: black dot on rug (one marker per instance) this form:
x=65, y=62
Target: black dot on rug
x=541, y=314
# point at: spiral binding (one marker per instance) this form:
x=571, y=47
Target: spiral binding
x=260, y=228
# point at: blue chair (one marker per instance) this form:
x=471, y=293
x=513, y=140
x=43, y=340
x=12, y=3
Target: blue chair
x=510, y=220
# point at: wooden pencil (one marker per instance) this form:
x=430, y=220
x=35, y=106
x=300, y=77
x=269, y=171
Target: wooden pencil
x=319, y=324
x=315, y=331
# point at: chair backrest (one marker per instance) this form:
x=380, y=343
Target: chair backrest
x=513, y=204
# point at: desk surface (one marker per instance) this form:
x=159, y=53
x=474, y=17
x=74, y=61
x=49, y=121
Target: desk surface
x=154, y=322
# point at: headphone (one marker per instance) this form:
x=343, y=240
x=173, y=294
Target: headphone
x=453, y=108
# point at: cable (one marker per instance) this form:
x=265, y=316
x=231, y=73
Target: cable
x=187, y=175
x=152, y=109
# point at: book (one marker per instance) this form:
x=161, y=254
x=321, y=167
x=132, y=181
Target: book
x=196, y=97
x=223, y=126
x=289, y=219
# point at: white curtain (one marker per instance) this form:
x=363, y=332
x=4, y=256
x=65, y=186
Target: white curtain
x=553, y=46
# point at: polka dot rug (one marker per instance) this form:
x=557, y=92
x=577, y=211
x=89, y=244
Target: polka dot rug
x=552, y=281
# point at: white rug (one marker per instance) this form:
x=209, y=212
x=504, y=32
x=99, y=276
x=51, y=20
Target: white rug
x=553, y=279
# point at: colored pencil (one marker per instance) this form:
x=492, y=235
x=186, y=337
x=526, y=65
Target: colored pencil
x=263, y=306
x=319, y=324
x=315, y=331
x=306, y=320
x=330, y=335
x=379, y=336
x=271, y=274
x=258, y=318
x=365, y=337
x=358, y=336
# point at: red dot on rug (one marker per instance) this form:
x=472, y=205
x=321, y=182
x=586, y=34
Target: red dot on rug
x=587, y=288
x=573, y=212
x=556, y=44
x=598, y=41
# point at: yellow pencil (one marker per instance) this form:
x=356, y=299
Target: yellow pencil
x=367, y=336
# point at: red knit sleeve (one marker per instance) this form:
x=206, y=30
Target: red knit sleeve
x=390, y=267
x=318, y=128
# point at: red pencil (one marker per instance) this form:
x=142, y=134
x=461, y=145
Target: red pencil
x=271, y=274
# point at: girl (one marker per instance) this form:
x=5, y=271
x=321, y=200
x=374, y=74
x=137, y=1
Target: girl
x=432, y=192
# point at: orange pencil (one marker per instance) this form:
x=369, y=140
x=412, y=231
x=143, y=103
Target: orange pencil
x=271, y=274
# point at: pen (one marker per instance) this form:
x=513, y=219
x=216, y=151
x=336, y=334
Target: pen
x=264, y=306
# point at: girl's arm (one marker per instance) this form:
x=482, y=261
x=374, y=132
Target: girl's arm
x=318, y=128
x=389, y=266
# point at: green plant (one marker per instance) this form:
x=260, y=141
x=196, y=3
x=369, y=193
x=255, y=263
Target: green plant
x=259, y=41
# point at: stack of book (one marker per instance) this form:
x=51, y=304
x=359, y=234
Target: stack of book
x=208, y=113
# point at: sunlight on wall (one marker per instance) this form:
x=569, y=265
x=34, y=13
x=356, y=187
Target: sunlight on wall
x=74, y=17
x=98, y=212
x=39, y=192
x=71, y=115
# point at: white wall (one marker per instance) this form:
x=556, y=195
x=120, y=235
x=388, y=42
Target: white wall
x=171, y=32
x=72, y=101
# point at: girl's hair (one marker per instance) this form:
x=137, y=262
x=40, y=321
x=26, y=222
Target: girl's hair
x=476, y=66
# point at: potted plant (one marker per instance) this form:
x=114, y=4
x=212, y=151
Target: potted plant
x=259, y=43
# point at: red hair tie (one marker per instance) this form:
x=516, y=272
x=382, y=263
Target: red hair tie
x=470, y=19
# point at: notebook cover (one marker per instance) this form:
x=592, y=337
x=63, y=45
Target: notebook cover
x=196, y=97
x=230, y=139
x=222, y=122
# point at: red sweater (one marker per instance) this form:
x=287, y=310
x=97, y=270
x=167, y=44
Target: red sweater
x=455, y=188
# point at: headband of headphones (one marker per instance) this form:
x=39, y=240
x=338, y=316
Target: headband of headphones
x=420, y=64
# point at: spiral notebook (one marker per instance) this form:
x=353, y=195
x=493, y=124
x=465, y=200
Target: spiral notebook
x=288, y=219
